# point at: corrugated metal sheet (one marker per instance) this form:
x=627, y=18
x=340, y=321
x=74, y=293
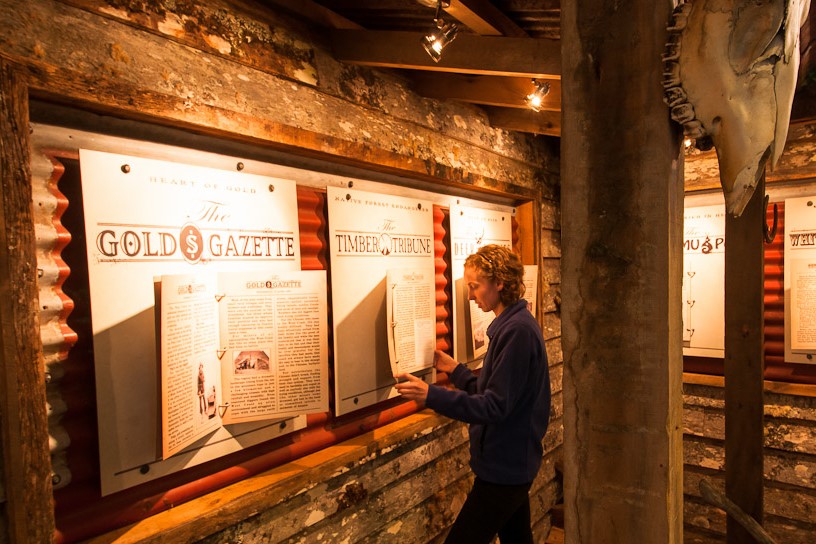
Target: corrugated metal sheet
x=55, y=306
x=775, y=292
x=444, y=327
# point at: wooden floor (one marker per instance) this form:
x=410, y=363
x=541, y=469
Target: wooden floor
x=556, y=536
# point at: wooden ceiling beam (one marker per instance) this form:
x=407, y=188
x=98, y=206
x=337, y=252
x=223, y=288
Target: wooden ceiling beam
x=482, y=17
x=547, y=123
x=314, y=13
x=487, y=55
x=508, y=92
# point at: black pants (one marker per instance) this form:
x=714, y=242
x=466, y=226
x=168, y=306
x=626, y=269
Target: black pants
x=492, y=509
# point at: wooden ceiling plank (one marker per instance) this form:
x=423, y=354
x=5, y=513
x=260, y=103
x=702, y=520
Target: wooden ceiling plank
x=509, y=92
x=468, y=54
x=547, y=123
x=484, y=18
x=314, y=13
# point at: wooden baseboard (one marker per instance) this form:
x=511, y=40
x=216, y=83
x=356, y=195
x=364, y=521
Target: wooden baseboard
x=782, y=388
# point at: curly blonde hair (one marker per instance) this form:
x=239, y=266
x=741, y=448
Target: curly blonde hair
x=499, y=264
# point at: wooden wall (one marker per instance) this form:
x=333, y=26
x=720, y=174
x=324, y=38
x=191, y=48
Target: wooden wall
x=789, y=468
x=260, y=79
x=402, y=483
x=790, y=409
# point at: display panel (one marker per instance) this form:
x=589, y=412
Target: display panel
x=472, y=228
x=370, y=234
x=146, y=218
x=704, y=281
x=800, y=280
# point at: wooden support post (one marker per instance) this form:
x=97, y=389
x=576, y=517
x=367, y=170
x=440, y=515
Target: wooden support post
x=526, y=217
x=622, y=267
x=744, y=362
x=23, y=421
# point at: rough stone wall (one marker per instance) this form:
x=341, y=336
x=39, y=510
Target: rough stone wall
x=789, y=467
x=796, y=164
x=790, y=419
x=259, y=77
x=550, y=291
x=256, y=75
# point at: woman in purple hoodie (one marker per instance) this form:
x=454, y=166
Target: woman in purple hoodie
x=507, y=404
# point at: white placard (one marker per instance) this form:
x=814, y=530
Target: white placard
x=472, y=228
x=704, y=281
x=146, y=218
x=369, y=234
x=411, y=322
x=800, y=279
x=531, y=287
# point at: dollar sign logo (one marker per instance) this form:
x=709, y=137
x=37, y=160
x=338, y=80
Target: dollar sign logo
x=191, y=242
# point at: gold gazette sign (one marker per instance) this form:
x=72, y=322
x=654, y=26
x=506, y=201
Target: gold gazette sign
x=146, y=218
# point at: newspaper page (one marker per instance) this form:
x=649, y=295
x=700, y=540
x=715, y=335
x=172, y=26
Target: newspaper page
x=803, y=306
x=189, y=370
x=800, y=279
x=238, y=347
x=411, y=320
x=274, y=344
x=531, y=287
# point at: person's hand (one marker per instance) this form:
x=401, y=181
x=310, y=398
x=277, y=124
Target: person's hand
x=413, y=388
x=444, y=362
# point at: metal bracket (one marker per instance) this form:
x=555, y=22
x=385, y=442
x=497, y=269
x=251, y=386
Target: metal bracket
x=769, y=233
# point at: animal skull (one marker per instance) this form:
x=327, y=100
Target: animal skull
x=730, y=75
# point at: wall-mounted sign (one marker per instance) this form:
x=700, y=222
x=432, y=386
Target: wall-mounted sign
x=472, y=228
x=704, y=281
x=370, y=234
x=146, y=218
x=800, y=280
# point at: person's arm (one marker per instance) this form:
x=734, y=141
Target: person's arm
x=511, y=357
x=460, y=375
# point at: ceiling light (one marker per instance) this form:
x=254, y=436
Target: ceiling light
x=442, y=34
x=536, y=98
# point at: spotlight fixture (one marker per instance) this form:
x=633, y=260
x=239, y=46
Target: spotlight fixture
x=441, y=35
x=536, y=98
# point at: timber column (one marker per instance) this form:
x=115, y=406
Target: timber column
x=622, y=221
